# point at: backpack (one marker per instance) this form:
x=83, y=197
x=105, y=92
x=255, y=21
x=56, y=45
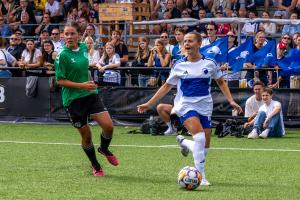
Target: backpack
x=156, y=127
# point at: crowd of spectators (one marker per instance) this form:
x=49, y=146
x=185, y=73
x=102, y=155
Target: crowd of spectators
x=33, y=34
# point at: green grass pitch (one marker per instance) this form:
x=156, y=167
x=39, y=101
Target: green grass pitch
x=46, y=162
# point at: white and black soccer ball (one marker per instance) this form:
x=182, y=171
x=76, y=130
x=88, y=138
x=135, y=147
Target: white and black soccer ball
x=189, y=178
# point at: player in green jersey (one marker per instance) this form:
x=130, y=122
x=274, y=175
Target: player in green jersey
x=80, y=97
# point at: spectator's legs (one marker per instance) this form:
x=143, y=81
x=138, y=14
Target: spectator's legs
x=275, y=126
x=260, y=118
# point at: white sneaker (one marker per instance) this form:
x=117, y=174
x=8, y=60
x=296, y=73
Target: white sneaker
x=183, y=149
x=170, y=131
x=204, y=182
x=264, y=134
x=253, y=134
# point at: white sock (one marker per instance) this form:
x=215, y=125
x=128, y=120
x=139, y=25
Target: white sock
x=189, y=144
x=169, y=125
x=202, y=163
x=198, y=151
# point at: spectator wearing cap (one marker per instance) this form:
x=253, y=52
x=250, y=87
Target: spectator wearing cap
x=221, y=5
x=211, y=30
x=267, y=27
x=293, y=27
x=193, y=7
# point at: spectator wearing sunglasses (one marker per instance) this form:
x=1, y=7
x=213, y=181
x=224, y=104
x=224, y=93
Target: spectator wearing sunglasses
x=287, y=40
x=211, y=29
x=57, y=42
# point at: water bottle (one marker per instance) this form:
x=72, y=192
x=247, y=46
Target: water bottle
x=151, y=124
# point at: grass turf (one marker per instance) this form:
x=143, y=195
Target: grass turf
x=59, y=171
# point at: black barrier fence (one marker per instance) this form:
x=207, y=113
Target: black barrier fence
x=122, y=102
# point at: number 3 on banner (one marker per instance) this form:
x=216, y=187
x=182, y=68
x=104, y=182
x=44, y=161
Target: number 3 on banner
x=2, y=96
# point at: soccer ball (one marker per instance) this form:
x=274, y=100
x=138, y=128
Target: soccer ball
x=189, y=178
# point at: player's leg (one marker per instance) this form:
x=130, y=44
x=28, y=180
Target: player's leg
x=105, y=122
x=164, y=111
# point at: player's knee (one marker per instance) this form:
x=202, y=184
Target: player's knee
x=108, y=129
x=160, y=108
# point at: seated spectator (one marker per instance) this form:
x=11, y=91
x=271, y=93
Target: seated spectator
x=201, y=26
x=15, y=15
x=223, y=28
x=267, y=27
x=93, y=54
x=57, y=42
x=94, y=13
x=171, y=7
x=25, y=27
x=165, y=38
x=48, y=56
x=14, y=48
x=4, y=28
x=297, y=7
x=239, y=6
x=221, y=5
x=293, y=27
x=269, y=120
x=6, y=60
x=295, y=37
x=83, y=10
x=40, y=7
x=193, y=7
x=233, y=27
x=83, y=22
x=31, y=58
x=285, y=7
x=279, y=27
x=186, y=28
x=231, y=77
x=6, y=7
x=109, y=60
x=211, y=29
x=45, y=25
x=287, y=40
x=72, y=15
x=265, y=3
x=159, y=57
x=254, y=102
x=158, y=8
x=141, y=60
x=54, y=9
x=250, y=28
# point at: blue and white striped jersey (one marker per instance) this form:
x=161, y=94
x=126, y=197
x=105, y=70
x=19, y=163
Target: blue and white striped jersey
x=193, y=85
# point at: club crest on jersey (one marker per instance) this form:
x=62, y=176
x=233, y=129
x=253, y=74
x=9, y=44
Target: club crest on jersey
x=205, y=70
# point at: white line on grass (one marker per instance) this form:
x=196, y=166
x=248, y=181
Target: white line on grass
x=150, y=146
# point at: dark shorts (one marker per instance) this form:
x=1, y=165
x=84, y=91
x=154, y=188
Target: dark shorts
x=80, y=109
x=204, y=120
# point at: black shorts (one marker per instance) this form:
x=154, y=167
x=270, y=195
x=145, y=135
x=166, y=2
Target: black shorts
x=80, y=109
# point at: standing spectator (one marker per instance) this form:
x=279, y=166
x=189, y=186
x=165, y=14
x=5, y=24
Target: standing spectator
x=159, y=57
x=223, y=28
x=141, y=60
x=269, y=120
x=250, y=28
x=231, y=77
x=110, y=60
x=193, y=7
x=31, y=58
x=177, y=50
x=211, y=29
x=165, y=38
x=293, y=27
x=54, y=9
x=267, y=27
x=55, y=36
x=48, y=56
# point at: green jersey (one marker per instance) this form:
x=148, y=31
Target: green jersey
x=73, y=65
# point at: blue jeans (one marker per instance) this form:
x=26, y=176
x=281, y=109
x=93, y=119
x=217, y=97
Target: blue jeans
x=143, y=80
x=274, y=124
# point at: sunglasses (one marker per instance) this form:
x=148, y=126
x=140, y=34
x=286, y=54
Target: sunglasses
x=14, y=39
x=185, y=13
x=163, y=36
x=210, y=29
x=231, y=36
x=54, y=33
x=287, y=38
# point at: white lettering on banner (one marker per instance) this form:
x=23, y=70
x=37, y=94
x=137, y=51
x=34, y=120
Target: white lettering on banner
x=2, y=95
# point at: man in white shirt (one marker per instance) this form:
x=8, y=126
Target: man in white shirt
x=269, y=120
x=255, y=101
x=57, y=42
x=211, y=29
